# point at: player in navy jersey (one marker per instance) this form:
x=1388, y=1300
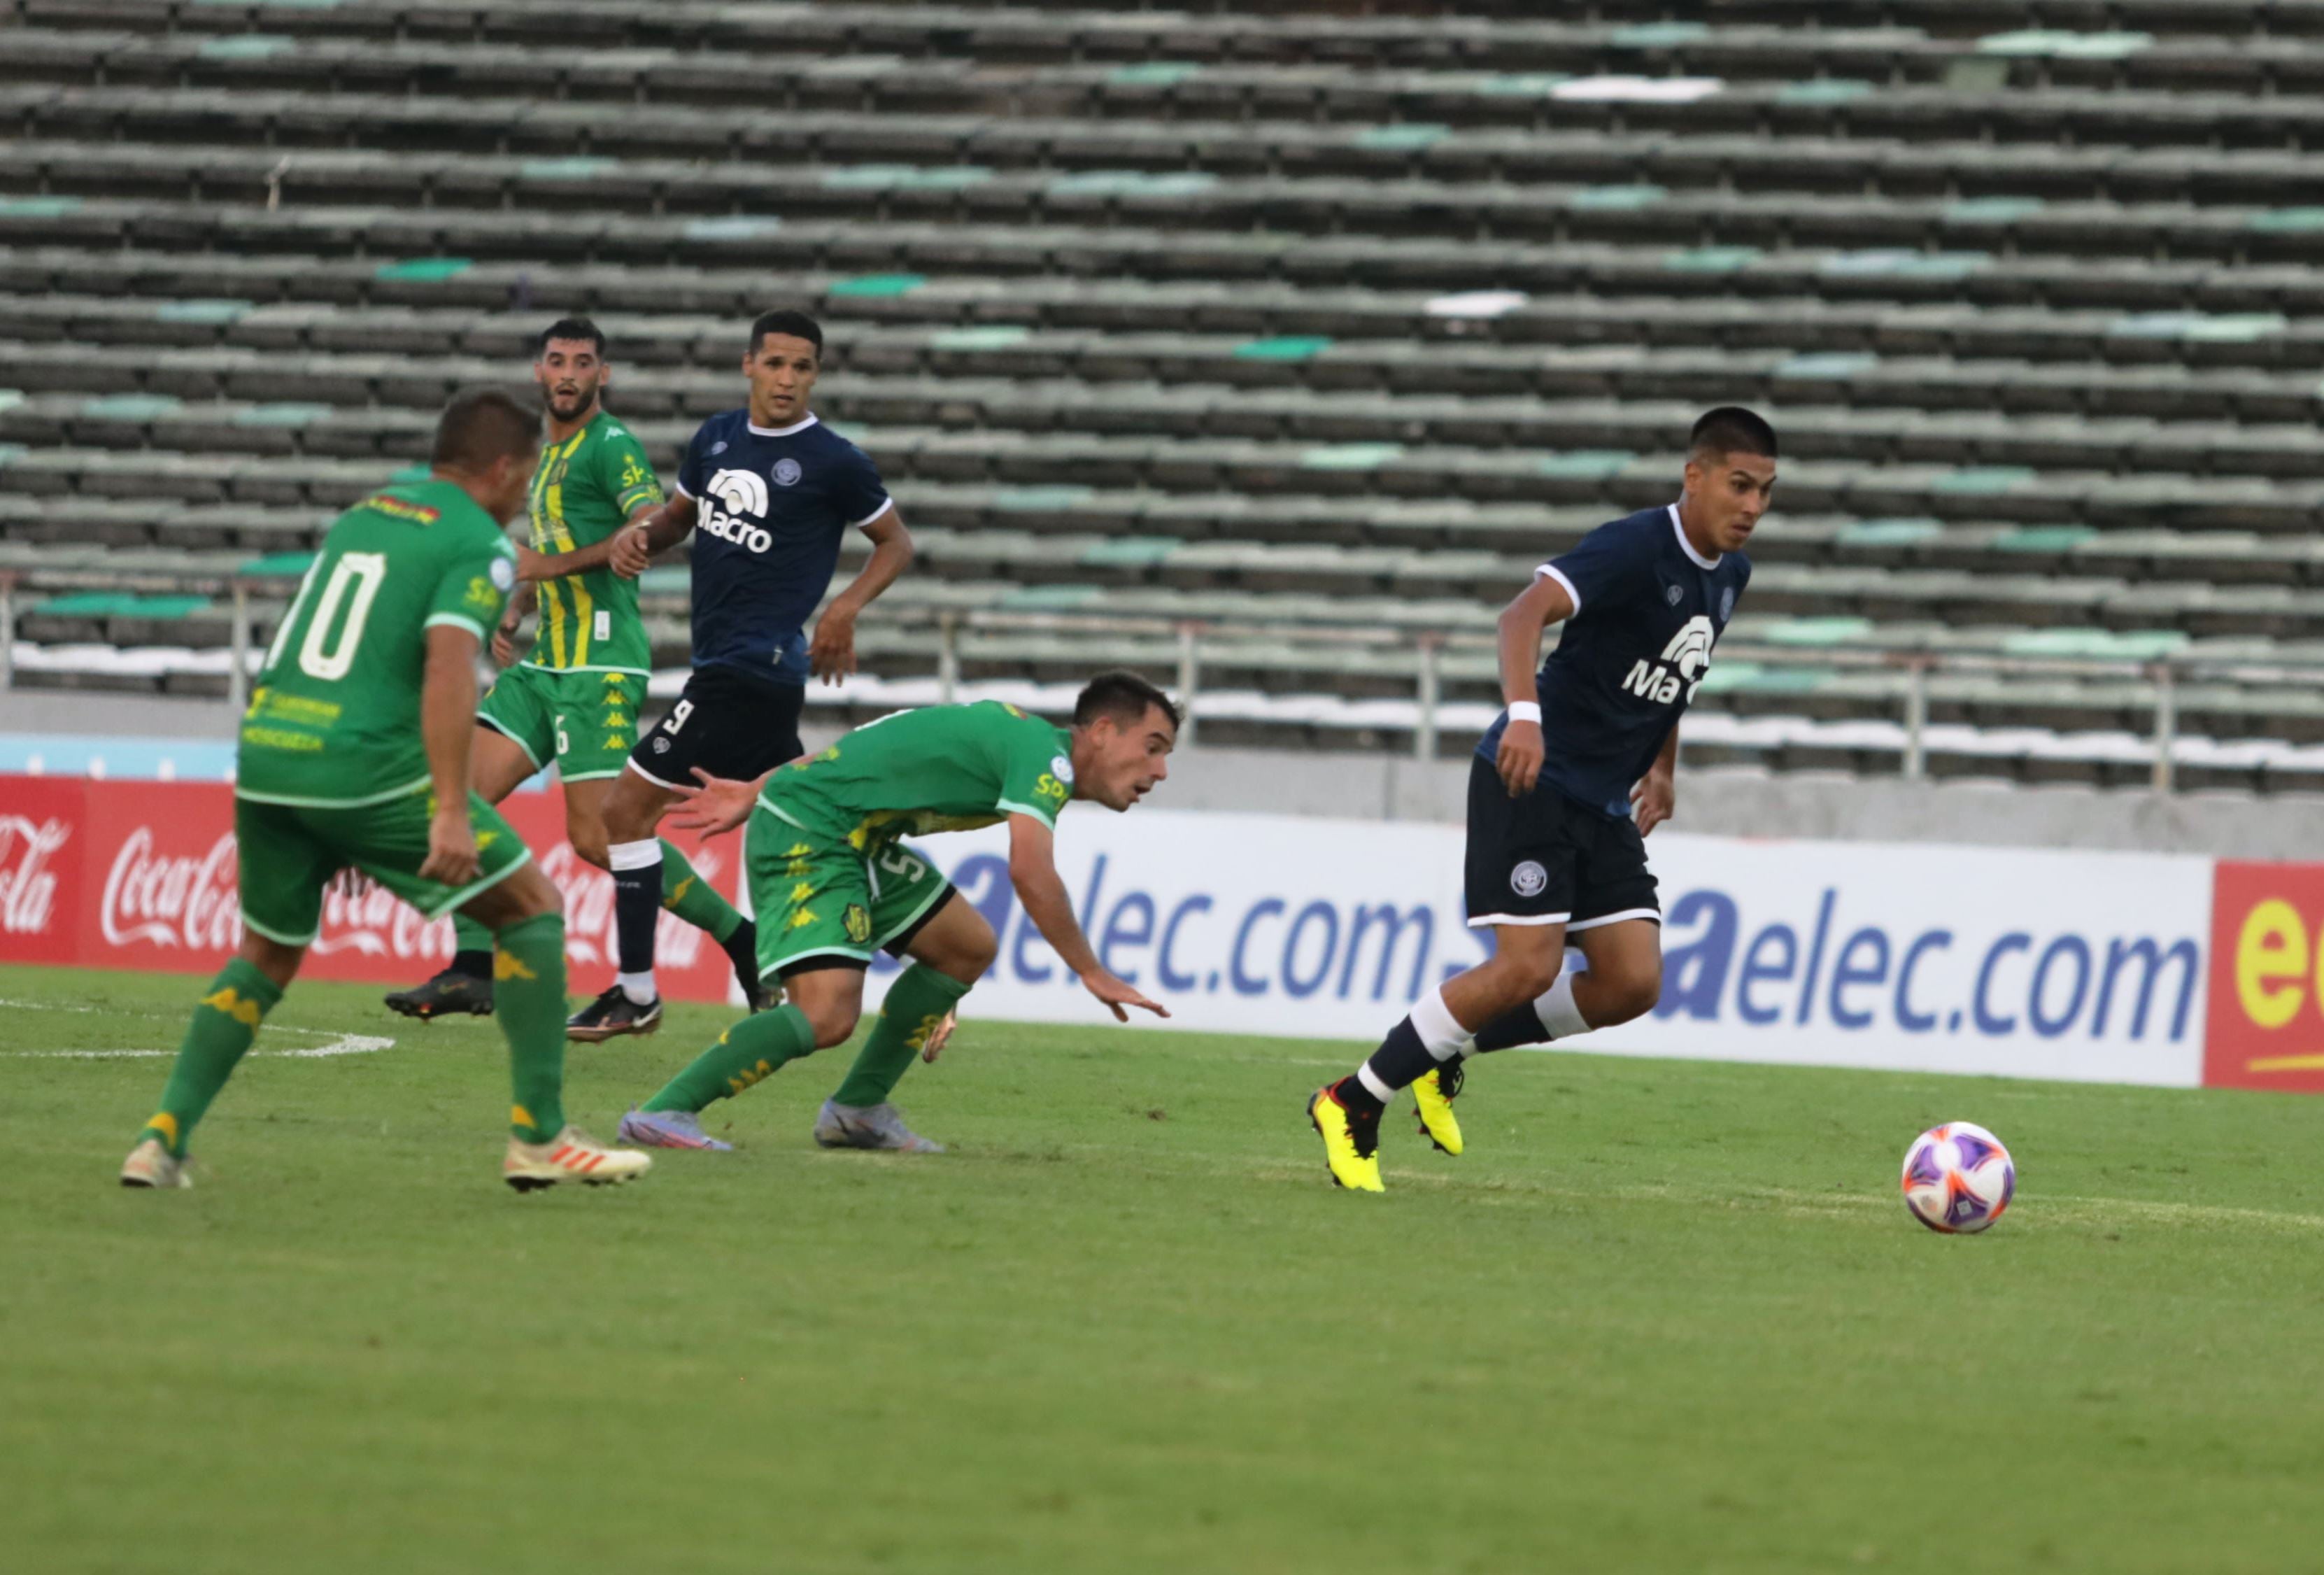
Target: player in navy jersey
x=1565, y=787
x=769, y=492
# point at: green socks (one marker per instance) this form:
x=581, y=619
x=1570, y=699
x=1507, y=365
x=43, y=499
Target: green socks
x=693, y=898
x=683, y=892
x=528, y=998
x=751, y=1050
x=222, y=1028
x=917, y=1002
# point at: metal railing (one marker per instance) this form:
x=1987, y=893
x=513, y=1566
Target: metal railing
x=1193, y=639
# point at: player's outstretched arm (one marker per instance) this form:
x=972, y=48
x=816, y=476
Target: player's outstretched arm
x=719, y=805
x=1541, y=603
x=832, y=653
x=1033, y=870
x=448, y=722
x=1653, y=799
x=649, y=531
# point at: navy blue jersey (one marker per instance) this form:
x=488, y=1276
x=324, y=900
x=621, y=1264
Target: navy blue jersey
x=775, y=501
x=1647, y=610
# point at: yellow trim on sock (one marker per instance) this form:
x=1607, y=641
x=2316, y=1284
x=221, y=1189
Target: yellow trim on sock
x=165, y=1124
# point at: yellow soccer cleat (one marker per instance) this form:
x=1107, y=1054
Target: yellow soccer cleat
x=571, y=1156
x=1350, y=1143
x=1432, y=1102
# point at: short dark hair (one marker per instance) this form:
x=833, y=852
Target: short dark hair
x=1731, y=430
x=1125, y=697
x=570, y=329
x=797, y=325
x=479, y=427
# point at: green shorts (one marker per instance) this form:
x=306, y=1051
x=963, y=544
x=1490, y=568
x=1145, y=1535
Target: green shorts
x=818, y=897
x=586, y=721
x=288, y=854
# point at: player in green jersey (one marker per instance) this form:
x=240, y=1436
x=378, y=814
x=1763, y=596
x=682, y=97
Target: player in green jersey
x=834, y=882
x=575, y=698
x=355, y=755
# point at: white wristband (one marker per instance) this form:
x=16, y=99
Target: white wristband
x=1525, y=711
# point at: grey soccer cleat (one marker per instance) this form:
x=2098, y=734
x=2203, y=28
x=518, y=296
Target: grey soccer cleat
x=880, y=1126
x=669, y=1129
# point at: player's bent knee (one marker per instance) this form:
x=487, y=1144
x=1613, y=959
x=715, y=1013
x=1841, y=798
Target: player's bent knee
x=832, y=1026
x=527, y=893
x=589, y=844
x=1632, y=996
x=278, y=962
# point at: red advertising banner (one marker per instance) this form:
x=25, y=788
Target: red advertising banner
x=2266, y=1028
x=142, y=875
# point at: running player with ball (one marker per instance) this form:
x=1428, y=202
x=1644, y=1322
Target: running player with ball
x=1565, y=787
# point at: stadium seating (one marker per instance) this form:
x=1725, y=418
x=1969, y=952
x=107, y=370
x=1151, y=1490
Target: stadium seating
x=1315, y=330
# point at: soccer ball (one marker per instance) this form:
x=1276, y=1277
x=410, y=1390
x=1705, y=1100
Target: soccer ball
x=1957, y=1178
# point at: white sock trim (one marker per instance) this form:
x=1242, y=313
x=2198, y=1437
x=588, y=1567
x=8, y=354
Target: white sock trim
x=1372, y=1080
x=641, y=855
x=1557, y=1011
x=638, y=987
x=1441, y=1033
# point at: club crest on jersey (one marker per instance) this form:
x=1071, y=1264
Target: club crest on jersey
x=1528, y=878
x=734, y=501
x=1671, y=593
x=718, y=448
x=1684, y=660
x=787, y=473
x=1727, y=605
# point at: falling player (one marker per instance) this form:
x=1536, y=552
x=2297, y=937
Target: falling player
x=575, y=697
x=1565, y=787
x=354, y=754
x=836, y=883
x=769, y=492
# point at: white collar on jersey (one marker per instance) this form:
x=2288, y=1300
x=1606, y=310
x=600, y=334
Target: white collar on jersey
x=759, y=431
x=1676, y=529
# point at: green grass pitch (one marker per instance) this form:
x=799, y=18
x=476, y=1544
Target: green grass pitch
x=1664, y=1315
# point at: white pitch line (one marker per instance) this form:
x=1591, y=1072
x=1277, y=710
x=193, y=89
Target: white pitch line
x=333, y=1043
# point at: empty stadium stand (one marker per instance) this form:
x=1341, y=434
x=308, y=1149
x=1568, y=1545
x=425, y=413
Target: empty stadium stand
x=1268, y=344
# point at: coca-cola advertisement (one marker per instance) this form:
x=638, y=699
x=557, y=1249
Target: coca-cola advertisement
x=142, y=875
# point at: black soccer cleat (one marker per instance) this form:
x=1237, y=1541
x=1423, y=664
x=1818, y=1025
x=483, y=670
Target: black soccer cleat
x=449, y=994
x=612, y=1015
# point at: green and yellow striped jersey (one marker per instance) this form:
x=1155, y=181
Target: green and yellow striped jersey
x=584, y=489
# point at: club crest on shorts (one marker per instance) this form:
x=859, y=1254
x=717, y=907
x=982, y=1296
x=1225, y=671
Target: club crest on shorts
x=787, y=473
x=662, y=745
x=857, y=922
x=1528, y=878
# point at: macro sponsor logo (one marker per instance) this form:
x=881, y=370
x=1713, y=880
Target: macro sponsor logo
x=732, y=506
x=1684, y=661
x=28, y=883
x=2266, y=1028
